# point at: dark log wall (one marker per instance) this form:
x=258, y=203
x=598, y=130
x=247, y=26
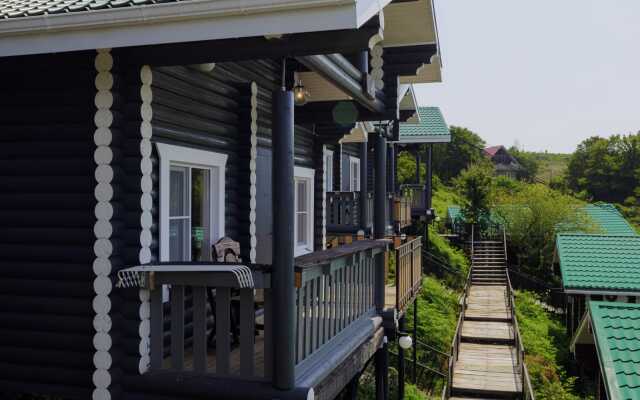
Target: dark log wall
x=46, y=224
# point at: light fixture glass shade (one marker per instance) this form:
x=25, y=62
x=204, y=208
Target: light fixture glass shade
x=405, y=342
x=300, y=95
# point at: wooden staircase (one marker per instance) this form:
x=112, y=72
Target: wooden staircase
x=488, y=263
x=487, y=356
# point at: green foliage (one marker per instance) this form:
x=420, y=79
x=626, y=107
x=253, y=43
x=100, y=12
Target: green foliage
x=407, y=168
x=475, y=185
x=529, y=163
x=607, y=169
x=547, y=350
x=412, y=392
x=533, y=214
x=451, y=158
x=443, y=197
x=437, y=318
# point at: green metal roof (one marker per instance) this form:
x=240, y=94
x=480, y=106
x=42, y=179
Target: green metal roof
x=616, y=330
x=609, y=219
x=604, y=262
x=432, y=128
x=30, y=8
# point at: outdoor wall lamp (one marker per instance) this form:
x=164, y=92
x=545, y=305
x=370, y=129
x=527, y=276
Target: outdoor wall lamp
x=300, y=94
x=405, y=341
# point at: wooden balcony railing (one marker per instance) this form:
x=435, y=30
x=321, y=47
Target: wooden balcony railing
x=417, y=195
x=216, y=319
x=408, y=272
x=343, y=211
x=334, y=289
x=402, y=211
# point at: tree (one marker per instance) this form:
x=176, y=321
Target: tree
x=464, y=149
x=475, y=185
x=532, y=217
x=528, y=162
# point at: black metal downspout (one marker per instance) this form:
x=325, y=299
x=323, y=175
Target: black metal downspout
x=429, y=184
x=380, y=185
x=364, y=214
x=284, y=238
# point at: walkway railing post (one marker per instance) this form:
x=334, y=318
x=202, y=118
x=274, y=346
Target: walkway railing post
x=401, y=370
x=284, y=239
x=364, y=217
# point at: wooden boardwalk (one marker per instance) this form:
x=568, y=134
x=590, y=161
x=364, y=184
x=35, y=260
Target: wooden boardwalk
x=487, y=365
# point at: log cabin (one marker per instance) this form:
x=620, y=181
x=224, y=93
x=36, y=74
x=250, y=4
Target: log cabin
x=136, y=135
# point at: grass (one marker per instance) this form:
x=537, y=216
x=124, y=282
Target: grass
x=547, y=350
x=551, y=165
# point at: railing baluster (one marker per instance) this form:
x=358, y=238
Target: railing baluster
x=308, y=287
x=157, y=328
x=322, y=301
x=177, y=327
x=247, y=332
x=314, y=313
x=300, y=324
x=223, y=325
x=200, y=329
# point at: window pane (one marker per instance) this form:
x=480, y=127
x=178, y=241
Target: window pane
x=200, y=215
x=302, y=227
x=302, y=195
x=178, y=191
x=178, y=240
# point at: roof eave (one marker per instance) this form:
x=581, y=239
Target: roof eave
x=425, y=139
x=179, y=22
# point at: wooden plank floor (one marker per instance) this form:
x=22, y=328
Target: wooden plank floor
x=487, y=331
x=488, y=303
x=487, y=359
x=390, y=296
x=234, y=359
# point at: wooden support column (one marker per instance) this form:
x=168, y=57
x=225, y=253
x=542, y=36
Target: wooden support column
x=364, y=214
x=380, y=195
x=284, y=239
x=380, y=198
x=417, y=155
x=429, y=182
x=391, y=184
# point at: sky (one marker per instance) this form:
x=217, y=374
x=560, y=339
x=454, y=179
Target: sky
x=545, y=74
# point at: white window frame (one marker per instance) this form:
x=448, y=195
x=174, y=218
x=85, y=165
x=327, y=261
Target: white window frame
x=352, y=161
x=308, y=175
x=215, y=163
x=328, y=170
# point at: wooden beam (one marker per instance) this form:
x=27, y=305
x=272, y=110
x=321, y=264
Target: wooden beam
x=300, y=44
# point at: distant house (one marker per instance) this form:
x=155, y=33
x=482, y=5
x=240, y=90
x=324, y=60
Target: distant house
x=505, y=164
x=606, y=346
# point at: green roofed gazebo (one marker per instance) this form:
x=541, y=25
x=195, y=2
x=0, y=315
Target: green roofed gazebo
x=613, y=328
x=430, y=128
x=599, y=263
x=609, y=219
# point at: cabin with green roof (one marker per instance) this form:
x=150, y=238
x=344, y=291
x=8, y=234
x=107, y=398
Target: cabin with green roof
x=613, y=330
x=597, y=267
x=607, y=217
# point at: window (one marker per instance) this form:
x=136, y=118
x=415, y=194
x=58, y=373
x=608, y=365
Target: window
x=191, y=202
x=328, y=171
x=354, y=173
x=303, y=220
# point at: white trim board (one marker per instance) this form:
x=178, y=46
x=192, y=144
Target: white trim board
x=307, y=174
x=194, y=158
x=180, y=22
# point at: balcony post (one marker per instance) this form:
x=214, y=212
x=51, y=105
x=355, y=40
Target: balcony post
x=284, y=238
x=391, y=184
x=380, y=196
x=382, y=371
x=429, y=183
x=417, y=154
x=380, y=199
x=364, y=217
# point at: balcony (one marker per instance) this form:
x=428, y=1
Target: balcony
x=217, y=320
x=343, y=212
x=416, y=194
x=407, y=275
